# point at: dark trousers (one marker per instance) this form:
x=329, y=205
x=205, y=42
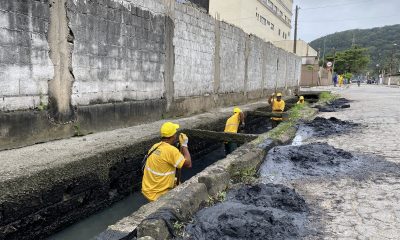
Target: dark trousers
x=275, y=123
x=230, y=147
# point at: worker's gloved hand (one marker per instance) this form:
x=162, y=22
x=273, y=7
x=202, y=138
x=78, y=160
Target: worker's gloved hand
x=183, y=140
x=273, y=94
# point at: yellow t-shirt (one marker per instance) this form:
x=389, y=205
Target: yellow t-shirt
x=232, y=124
x=277, y=107
x=159, y=172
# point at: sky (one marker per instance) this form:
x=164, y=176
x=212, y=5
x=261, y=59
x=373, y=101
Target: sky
x=318, y=18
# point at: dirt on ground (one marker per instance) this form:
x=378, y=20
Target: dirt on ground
x=335, y=105
x=323, y=127
x=261, y=211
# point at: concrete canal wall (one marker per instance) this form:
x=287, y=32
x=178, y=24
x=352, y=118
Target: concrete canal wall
x=74, y=66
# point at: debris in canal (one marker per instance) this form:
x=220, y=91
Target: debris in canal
x=335, y=105
x=261, y=211
x=323, y=127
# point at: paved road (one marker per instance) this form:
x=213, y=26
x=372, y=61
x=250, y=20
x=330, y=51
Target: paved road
x=364, y=207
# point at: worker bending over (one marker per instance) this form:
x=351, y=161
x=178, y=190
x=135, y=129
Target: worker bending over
x=278, y=106
x=232, y=126
x=301, y=100
x=162, y=161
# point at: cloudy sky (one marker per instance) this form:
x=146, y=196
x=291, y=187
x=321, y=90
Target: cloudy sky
x=318, y=18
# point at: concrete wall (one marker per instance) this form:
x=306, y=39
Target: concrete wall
x=194, y=41
x=232, y=57
x=85, y=66
x=25, y=65
x=118, y=52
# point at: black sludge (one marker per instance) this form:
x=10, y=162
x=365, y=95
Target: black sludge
x=335, y=105
x=323, y=127
x=316, y=159
x=263, y=211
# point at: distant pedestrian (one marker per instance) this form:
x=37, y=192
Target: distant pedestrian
x=335, y=79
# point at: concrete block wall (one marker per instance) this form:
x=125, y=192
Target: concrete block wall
x=25, y=66
x=194, y=44
x=101, y=65
x=232, y=58
x=271, y=71
x=255, y=64
x=118, y=52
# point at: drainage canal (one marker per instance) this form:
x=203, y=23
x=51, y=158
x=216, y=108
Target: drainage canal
x=206, y=146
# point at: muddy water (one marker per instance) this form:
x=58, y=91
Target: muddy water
x=90, y=227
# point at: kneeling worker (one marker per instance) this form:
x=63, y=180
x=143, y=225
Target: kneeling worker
x=301, y=100
x=163, y=160
x=232, y=126
x=278, y=106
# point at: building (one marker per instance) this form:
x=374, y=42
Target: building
x=270, y=20
x=311, y=73
x=303, y=49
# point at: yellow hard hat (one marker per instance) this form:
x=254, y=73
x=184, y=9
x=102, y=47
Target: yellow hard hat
x=301, y=98
x=237, y=110
x=168, y=129
x=279, y=94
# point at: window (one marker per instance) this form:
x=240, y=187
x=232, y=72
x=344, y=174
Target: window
x=268, y=23
x=263, y=20
x=272, y=26
x=270, y=3
x=288, y=33
x=279, y=32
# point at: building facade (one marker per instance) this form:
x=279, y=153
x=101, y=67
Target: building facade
x=270, y=20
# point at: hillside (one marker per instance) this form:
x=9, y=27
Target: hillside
x=379, y=41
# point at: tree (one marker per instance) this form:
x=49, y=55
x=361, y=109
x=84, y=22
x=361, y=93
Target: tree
x=354, y=60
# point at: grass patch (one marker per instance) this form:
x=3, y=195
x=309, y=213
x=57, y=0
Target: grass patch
x=297, y=112
x=326, y=97
x=245, y=175
x=212, y=200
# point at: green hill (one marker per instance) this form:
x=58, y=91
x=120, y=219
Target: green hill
x=379, y=41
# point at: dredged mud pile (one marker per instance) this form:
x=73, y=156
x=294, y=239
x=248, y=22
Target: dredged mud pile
x=335, y=105
x=314, y=161
x=311, y=160
x=262, y=211
x=323, y=127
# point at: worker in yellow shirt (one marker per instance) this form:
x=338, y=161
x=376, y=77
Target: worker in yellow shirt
x=162, y=161
x=232, y=126
x=278, y=106
x=301, y=100
x=341, y=78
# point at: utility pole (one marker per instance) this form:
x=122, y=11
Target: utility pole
x=295, y=30
x=334, y=60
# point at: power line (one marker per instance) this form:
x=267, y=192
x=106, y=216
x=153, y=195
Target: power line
x=336, y=5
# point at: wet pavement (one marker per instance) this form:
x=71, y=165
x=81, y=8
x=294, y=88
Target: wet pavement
x=362, y=203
